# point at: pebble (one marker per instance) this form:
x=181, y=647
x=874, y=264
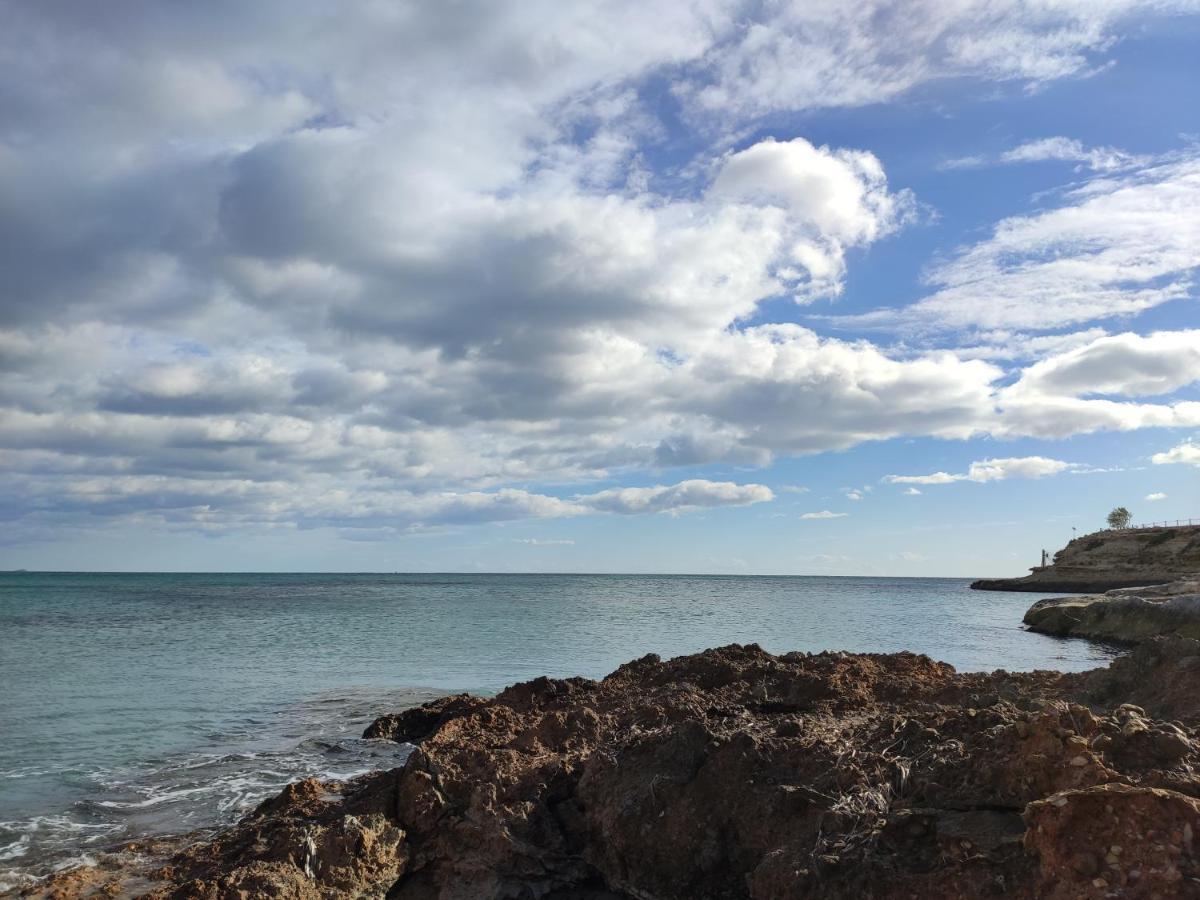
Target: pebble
x=1079, y=761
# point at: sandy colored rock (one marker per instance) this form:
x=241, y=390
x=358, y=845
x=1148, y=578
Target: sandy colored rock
x=1124, y=616
x=1107, y=560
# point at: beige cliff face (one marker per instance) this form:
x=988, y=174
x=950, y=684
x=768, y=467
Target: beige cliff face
x=1107, y=560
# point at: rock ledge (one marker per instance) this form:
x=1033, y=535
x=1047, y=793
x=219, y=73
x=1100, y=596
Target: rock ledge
x=1122, y=616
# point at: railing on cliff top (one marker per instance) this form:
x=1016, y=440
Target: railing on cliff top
x=1176, y=524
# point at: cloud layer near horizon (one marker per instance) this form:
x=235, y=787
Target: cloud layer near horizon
x=393, y=267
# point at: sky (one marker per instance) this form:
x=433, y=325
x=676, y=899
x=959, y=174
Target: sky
x=881, y=288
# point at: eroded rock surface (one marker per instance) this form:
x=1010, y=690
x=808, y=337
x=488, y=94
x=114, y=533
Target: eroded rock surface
x=738, y=774
x=1124, y=616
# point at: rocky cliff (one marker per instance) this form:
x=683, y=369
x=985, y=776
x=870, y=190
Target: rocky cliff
x=1107, y=560
x=735, y=773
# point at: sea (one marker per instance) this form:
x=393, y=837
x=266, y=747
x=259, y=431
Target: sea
x=134, y=705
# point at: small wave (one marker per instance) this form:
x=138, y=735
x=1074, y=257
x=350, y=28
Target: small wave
x=12, y=880
x=17, y=848
x=58, y=823
x=216, y=783
x=83, y=859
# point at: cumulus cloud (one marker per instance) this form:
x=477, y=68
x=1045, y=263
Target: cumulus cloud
x=835, y=199
x=1157, y=495
x=1127, y=365
x=394, y=267
x=912, y=492
x=824, y=514
x=1186, y=452
x=991, y=470
x=1072, y=392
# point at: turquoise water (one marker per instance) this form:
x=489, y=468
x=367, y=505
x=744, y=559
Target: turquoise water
x=142, y=703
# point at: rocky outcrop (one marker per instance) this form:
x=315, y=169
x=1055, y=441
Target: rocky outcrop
x=1122, y=616
x=1106, y=560
x=735, y=773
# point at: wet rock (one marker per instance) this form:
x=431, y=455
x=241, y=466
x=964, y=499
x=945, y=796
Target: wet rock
x=414, y=725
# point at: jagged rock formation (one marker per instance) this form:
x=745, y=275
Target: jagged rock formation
x=738, y=774
x=1122, y=616
x=1106, y=560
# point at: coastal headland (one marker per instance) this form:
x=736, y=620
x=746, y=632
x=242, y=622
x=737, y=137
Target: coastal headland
x=1112, y=559
x=738, y=773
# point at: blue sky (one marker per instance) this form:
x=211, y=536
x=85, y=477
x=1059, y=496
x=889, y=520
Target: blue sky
x=903, y=288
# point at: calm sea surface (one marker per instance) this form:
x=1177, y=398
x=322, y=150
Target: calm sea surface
x=134, y=704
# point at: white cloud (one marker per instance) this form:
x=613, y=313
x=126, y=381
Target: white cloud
x=835, y=198
x=545, y=542
x=828, y=54
x=853, y=495
x=991, y=470
x=1114, y=247
x=1158, y=495
x=1128, y=365
x=1001, y=344
x=1058, y=149
x=1186, y=452
x=1099, y=159
x=387, y=269
x=340, y=500
x=824, y=514
x=975, y=161
x=912, y=492
x=1053, y=397
x=685, y=496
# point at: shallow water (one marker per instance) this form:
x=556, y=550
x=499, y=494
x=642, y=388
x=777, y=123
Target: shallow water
x=135, y=704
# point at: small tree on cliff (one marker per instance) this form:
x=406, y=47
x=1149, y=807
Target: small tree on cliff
x=1119, y=518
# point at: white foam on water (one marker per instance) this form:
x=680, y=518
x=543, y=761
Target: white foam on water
x=202, y=789
x=17, y=848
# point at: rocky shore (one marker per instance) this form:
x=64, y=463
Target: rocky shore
x=735, y=773
x=1108, y=560
x=1122, y=616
